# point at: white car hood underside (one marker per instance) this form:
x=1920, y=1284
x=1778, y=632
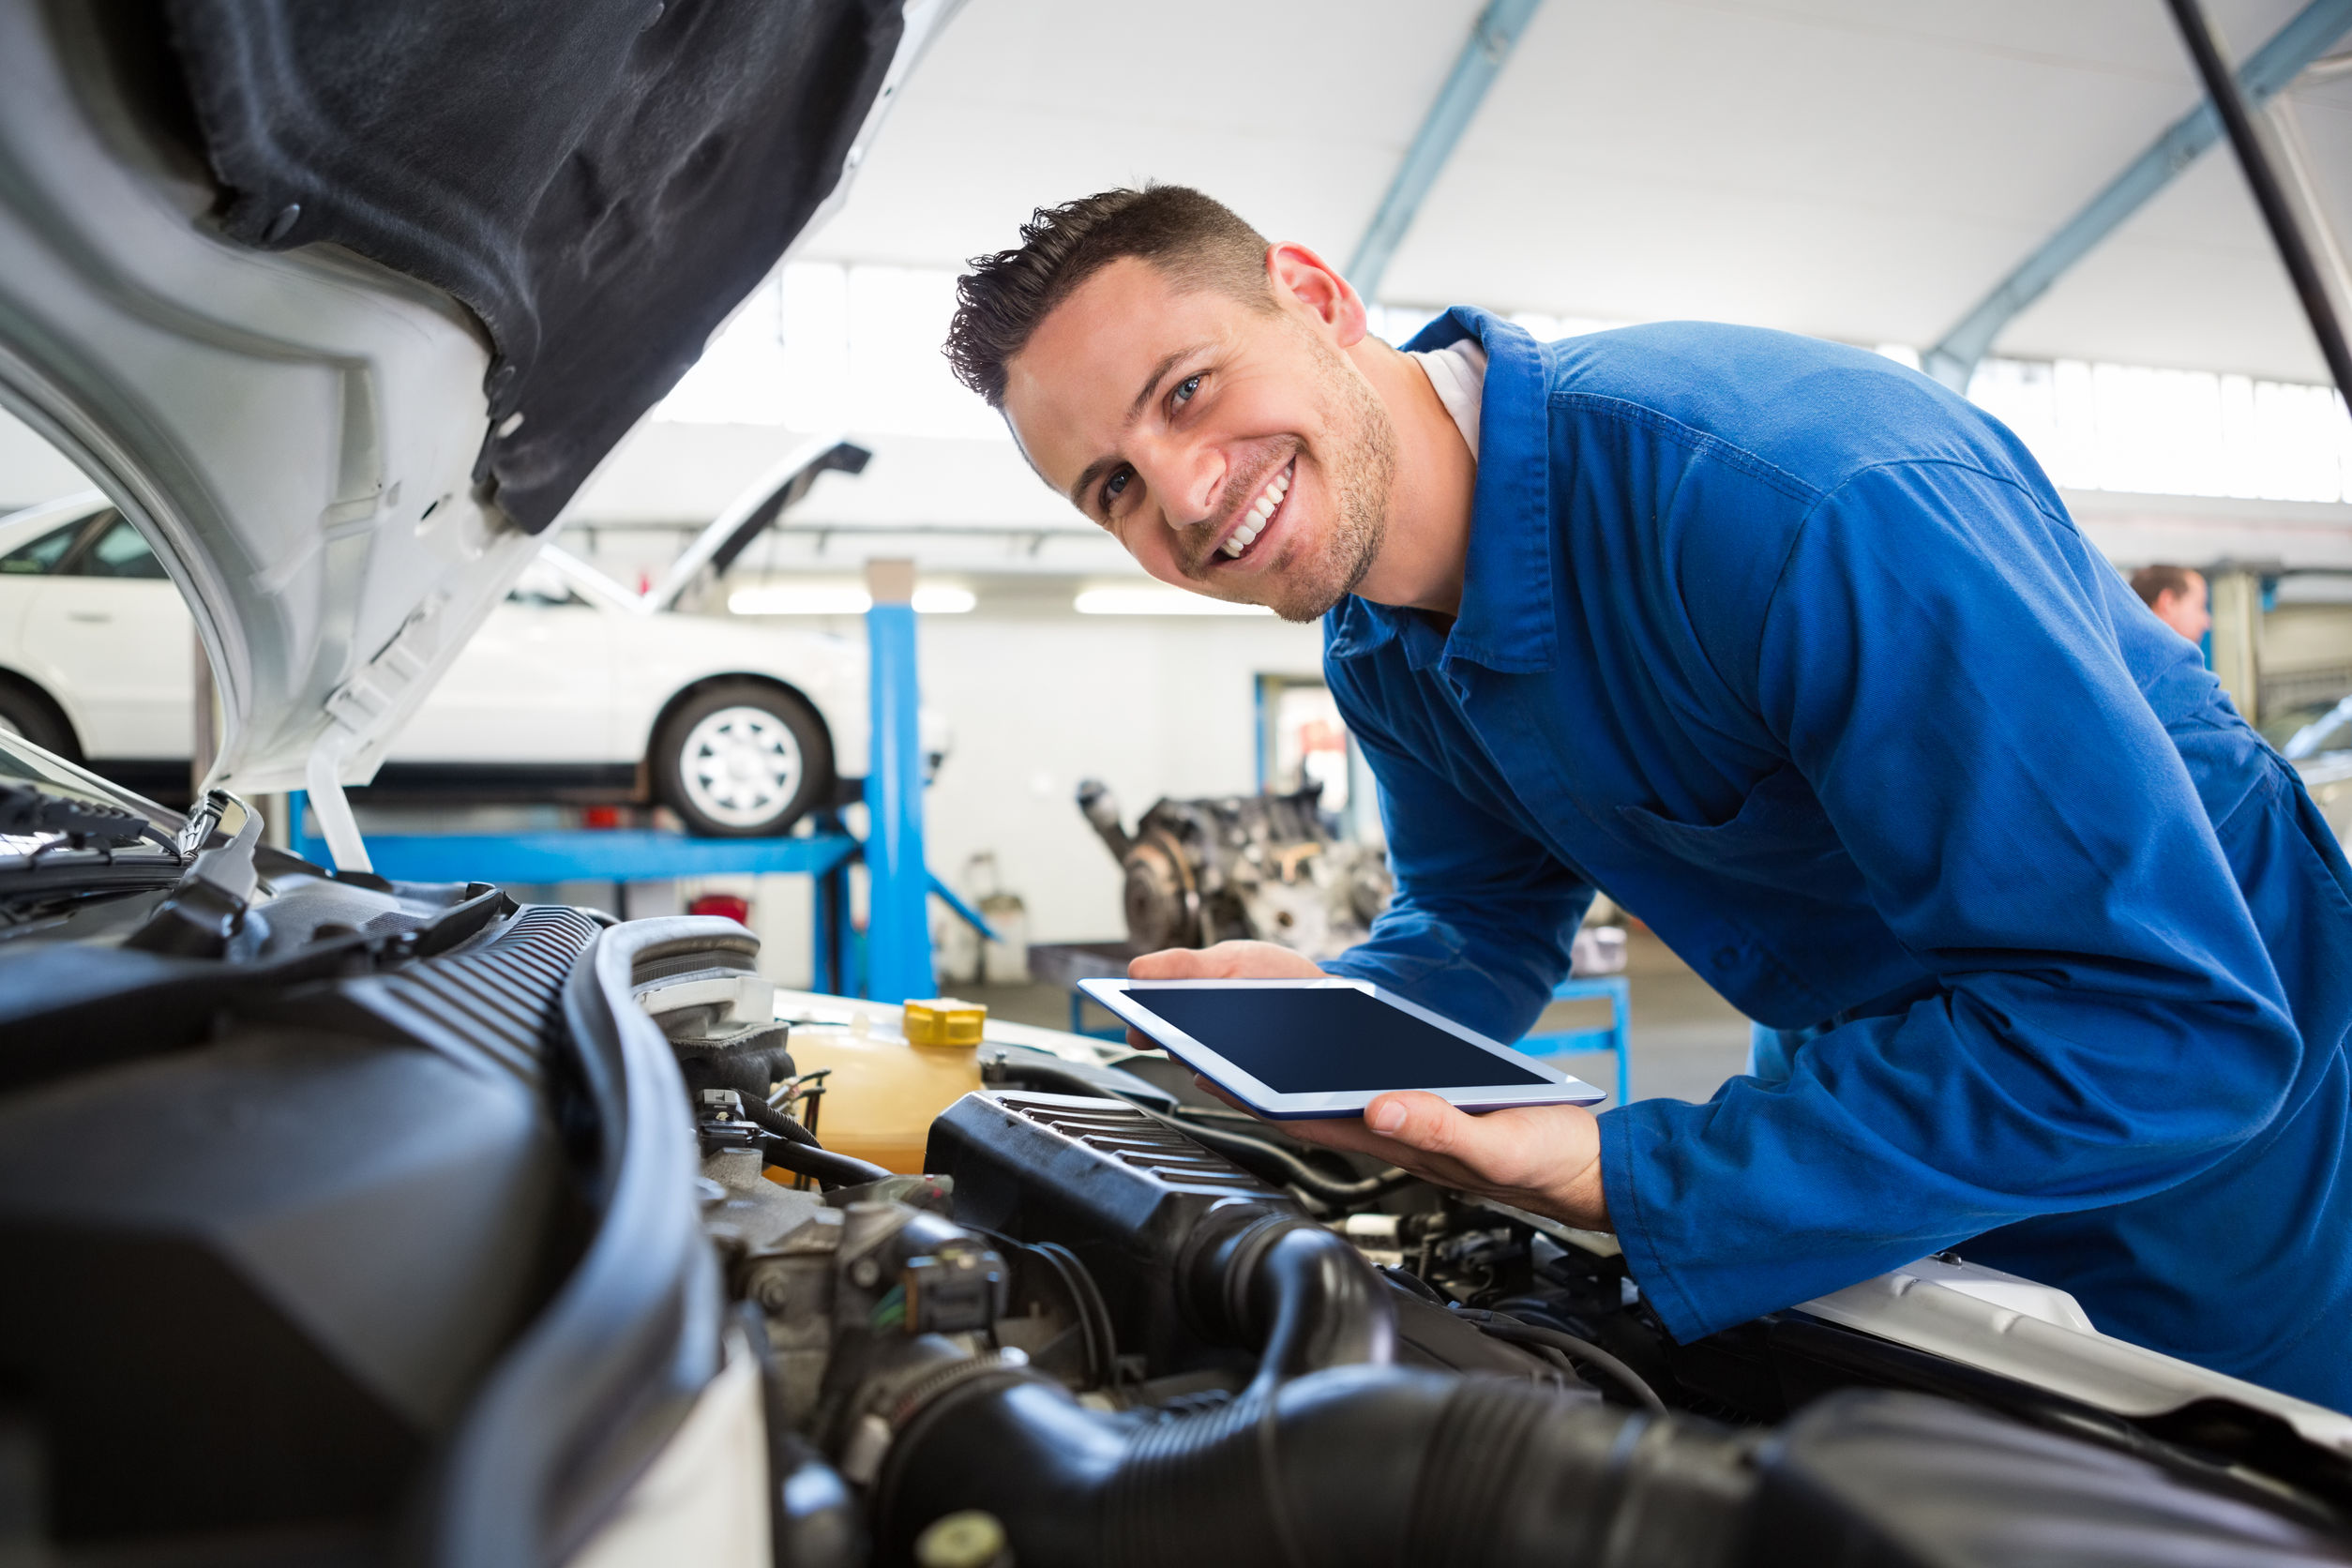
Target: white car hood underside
x=293, y=431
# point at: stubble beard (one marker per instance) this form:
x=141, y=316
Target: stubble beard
x=1358, y=463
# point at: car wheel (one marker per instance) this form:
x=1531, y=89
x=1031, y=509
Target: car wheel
x=741, y=760
x=26, y=712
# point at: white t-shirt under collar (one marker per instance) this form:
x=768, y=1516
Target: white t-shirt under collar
x=1457, y=374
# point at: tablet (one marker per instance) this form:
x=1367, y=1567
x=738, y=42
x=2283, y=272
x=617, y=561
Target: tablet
x=1293, y=1049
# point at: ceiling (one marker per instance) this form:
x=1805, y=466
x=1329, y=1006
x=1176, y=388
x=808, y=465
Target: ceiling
x=1864, y=170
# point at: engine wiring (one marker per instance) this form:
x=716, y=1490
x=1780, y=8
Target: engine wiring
x=1502, y=1325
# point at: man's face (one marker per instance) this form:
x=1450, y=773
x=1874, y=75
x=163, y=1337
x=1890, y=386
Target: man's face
x=2185, y=610
x=1232, y=448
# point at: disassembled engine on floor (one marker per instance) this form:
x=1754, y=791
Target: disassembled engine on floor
x=1266, y=867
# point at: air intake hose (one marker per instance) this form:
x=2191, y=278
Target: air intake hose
x=1329, y=1456
x=1367, y=1466
x=1299, y=1292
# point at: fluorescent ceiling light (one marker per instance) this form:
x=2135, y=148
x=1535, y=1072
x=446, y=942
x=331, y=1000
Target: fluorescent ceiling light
x=800, y=598
x=817, y=598
x=1158, y=601
x=936, y=600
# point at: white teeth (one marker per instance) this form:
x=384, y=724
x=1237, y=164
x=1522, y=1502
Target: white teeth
x=1268, y=499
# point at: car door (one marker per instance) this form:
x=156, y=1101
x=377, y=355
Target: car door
x=532, y=687
x=109, y=632
x=23, y=571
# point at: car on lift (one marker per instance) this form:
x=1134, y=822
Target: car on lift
x=349, y=1221
x=574, y=687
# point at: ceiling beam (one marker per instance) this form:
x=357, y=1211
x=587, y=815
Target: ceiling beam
x=1493, y=36
x=2277, y=62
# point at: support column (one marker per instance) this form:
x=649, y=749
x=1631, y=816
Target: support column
x=2236, y=606
x=899, y=928
x=205, y=732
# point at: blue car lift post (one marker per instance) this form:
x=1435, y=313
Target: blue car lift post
x=897, y=939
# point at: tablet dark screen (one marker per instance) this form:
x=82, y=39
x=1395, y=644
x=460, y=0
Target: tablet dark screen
x=1329, y=1042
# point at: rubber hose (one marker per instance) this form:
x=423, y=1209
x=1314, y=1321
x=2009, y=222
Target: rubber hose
x=767, y=1117
x=1518, y=1333
x=1379, y=1465
x=1294, y=1170
x=1300, y=1293
x=829, y=1169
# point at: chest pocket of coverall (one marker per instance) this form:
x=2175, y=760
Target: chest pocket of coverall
x=1779, y=837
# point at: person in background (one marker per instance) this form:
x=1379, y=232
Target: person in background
x=2177, y=596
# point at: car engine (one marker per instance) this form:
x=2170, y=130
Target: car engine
x=1088, y=1336
x=405, y=1224
x=1269, y=867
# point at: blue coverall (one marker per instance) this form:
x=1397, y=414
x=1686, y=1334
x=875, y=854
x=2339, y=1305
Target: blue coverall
x=1799, y=657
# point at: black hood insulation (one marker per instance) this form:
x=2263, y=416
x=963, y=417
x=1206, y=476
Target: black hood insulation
x=601, y=181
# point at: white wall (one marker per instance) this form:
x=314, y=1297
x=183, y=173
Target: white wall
x=31, y=470
x=1150, y=705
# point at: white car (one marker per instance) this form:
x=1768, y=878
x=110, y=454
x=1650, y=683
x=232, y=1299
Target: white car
x=573, y=685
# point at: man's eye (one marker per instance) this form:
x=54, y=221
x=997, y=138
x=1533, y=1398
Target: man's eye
x=1112, y=486
x=1185, y=389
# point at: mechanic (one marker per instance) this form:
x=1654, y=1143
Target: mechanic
x=1798, y=657
x=2178, y=595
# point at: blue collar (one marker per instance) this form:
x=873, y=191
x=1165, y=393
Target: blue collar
x=1506, y=619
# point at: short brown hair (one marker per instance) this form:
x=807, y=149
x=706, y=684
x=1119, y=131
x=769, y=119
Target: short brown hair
x=2153, y=582
x=1194, y=238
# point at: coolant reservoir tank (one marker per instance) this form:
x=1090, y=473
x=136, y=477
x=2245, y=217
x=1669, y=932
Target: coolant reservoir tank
x=883, y=1092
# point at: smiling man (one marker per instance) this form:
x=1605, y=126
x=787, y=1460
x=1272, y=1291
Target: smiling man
x=1799, y=657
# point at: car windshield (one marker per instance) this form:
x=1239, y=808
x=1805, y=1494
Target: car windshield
x=23, y=763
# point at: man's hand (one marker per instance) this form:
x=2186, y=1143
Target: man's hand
x=1546, y=1159
x=1226, y=961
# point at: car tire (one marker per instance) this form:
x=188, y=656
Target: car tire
x=742, y=759
x=25, y=710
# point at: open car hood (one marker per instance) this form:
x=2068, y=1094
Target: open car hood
x=341, y=304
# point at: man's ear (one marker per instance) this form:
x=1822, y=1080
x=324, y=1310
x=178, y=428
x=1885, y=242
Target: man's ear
x=1303, y=279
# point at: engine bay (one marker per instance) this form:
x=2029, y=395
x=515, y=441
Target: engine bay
x=435, y=1229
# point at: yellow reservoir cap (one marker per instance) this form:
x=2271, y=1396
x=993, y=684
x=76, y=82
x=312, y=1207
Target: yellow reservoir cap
x=944, y=1021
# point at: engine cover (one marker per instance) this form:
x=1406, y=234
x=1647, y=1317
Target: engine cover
x=1123, y=1190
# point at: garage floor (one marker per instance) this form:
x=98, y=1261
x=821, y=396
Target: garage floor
x=1686, y=1040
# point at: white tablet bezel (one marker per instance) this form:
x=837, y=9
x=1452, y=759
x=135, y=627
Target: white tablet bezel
x=1121, y=998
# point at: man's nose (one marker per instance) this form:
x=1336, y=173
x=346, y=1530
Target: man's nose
x=1191, y=475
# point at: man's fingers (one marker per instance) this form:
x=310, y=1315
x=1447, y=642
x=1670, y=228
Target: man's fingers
x=1341, y=1132
x=1418, y=1121
x=1226, y=961
x=1523, y=1147
x=1169, y=963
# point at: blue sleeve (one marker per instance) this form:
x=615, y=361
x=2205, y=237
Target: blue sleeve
x=1481, y=925
x=2106, y=1024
